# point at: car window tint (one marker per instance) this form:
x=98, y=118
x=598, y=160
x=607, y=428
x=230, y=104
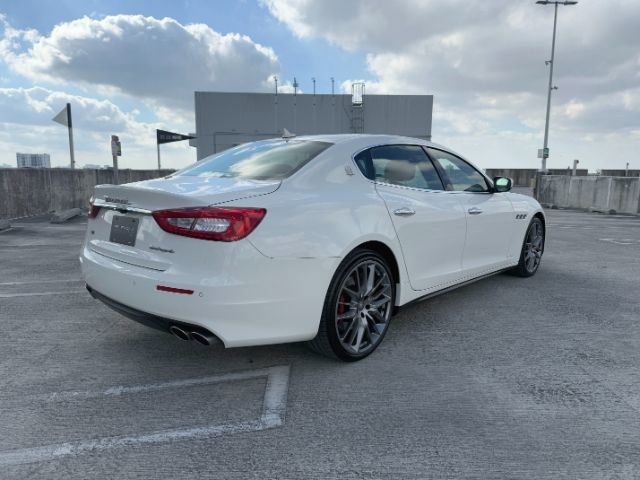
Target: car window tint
x=461, y=176
x=363, y=161
x=405, y=165
x=268, y=159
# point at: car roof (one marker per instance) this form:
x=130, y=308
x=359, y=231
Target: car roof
x=361, y=137
x=364, y=140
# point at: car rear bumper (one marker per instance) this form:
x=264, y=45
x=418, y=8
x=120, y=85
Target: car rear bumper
x=265, y=301
x=147, y=319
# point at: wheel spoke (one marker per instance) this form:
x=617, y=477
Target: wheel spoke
x=347, y=315
x=379, y=303
x=367, y=333
x=377, y=319
x=538, y=241
x=370, y=278
x=362, y=279
x=384, y=291
x=359, y=336
x=353, y=329
x=377, y=285
x=350, y=292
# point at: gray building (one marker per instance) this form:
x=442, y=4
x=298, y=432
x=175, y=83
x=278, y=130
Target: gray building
x=33, y=160
x=224, y=119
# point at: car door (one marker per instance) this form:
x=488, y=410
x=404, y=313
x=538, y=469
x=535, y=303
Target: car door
x=430, y=224
x=490, y=215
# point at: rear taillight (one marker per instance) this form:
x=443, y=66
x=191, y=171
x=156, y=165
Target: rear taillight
x=223, y=224
x=93, y=210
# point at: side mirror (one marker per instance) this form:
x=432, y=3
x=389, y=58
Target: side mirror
x=501, y=184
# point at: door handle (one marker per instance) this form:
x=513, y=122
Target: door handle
x=474, y=211
x=404, y=212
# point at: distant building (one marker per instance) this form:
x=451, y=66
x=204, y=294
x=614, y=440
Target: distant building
x=224, y=119
x=33, y=160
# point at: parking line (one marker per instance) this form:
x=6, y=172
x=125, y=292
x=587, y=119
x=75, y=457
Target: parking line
x=36, y=245
x=34, y=282
x=39, y=294
x=273, y=415
x=621, y=241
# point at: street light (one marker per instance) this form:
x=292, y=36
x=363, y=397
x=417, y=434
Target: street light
x=545, y=148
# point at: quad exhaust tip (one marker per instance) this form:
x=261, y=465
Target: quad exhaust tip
x=203, y=338
x=178, y=332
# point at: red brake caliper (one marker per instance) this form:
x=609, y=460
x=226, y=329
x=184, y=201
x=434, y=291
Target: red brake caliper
x=343, y=304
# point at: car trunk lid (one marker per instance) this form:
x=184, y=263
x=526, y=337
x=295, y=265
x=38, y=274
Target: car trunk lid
x=124, y=229
x=183, y=191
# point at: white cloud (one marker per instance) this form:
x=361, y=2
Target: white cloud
x=26, y=125
x=159, y=60
x=484, y=63
x=135, y=58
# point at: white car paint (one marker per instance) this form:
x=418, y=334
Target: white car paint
x=270, y=286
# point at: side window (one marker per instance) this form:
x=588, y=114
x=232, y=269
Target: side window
x=459, y=175
x=405, y=165
x=363, y=160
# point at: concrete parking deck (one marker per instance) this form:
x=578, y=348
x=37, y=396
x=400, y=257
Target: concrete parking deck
x=506, y=378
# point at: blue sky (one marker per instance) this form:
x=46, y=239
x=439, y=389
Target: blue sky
x=132, y=66
x=303, y=58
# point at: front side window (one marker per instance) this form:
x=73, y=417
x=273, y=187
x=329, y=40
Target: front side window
x=459, y=175
x=405, y=165
x=264, y=160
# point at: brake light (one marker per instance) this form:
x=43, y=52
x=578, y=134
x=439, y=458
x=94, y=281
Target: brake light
x=223, y=224
x=93, y=210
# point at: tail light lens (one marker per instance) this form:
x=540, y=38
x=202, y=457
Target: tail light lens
x=93, y=210
x=222, y=224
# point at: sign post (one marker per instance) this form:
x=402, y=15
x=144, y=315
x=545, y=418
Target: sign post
x=162, y=136
x=116, y=151
x=64, y=118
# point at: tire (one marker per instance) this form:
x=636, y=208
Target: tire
x=352, y=325
x=532, y=249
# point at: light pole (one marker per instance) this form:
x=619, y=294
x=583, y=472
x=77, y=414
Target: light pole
x=545, y=148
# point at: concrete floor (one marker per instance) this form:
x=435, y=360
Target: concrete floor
x=507, y=378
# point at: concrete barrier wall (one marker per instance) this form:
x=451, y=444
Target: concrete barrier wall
x=620, y=173
x=604, y=194
x=33, y=191
x=522, y=177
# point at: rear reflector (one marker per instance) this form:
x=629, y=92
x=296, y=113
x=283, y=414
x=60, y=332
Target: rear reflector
x=164, y=288
x=223, y=224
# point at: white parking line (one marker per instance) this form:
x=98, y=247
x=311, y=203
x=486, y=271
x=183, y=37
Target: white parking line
x=274, y=408
x=39, y=294
x=35, y=282
x=34, y=245
x=621, y=241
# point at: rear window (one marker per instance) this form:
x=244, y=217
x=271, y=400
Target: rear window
x=264, y=160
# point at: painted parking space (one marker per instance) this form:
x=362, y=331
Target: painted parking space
x=271, y=414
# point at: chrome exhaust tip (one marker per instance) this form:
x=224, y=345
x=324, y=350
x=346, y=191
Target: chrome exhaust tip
x=203, y=338
x=178, y=332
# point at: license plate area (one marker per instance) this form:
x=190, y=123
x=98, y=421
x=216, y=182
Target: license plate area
x=124, y=230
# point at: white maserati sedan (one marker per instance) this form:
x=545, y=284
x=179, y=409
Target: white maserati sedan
x=314, y=238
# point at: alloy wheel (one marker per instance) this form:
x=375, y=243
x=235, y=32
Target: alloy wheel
x=364, y=307
x=533, y=247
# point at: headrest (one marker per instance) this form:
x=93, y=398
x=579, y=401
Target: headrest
x=399, y=171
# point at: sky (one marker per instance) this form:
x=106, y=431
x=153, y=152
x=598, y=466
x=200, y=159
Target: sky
x=129, y=67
